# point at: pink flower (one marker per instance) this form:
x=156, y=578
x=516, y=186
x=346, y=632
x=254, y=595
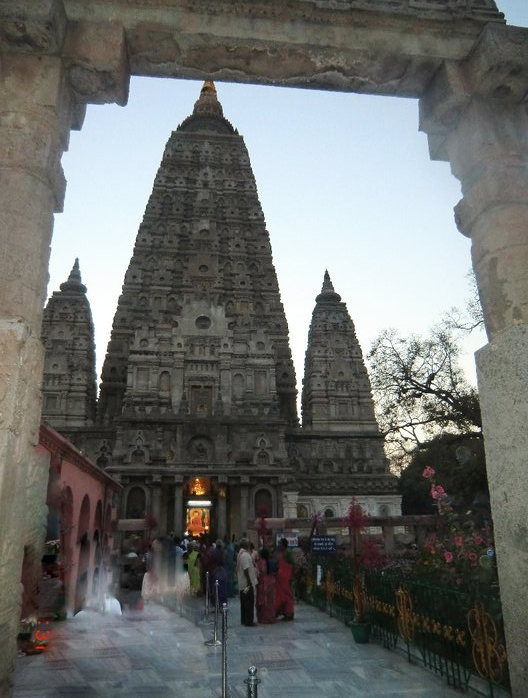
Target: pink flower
x=478, y=540
x=438, y=492
x=472, y=557
x=428, y=472
x=458, y=541
x=448, y=557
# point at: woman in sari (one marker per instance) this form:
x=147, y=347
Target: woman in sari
x=194, y=569
x=284, y=582
x=265, y=589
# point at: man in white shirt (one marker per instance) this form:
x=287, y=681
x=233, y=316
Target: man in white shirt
x=247, y=581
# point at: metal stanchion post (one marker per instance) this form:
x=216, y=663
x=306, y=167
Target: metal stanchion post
x=225, y=687
x=252, y=682
x=215, y=642
x=206, y=620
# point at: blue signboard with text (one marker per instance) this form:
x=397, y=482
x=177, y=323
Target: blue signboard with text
x=324, y=545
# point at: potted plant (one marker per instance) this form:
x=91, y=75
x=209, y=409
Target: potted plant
x=364, y=554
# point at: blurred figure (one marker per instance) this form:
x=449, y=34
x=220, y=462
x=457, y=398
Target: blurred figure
x=194, y=569
x=218, y=573
x=265, y=589
x=284, y=582
x=150, y=584
x=230, y=566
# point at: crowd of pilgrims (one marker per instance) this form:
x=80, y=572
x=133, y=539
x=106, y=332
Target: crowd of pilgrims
x=263, y=579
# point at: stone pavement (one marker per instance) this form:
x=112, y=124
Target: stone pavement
x=158, y=653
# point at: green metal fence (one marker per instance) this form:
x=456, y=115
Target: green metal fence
x=457, y=634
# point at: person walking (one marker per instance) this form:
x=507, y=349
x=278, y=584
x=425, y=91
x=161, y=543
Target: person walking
x=219, y=574
x=194, y=569
x=265, y=589
x=247, y=581
x=284, y=582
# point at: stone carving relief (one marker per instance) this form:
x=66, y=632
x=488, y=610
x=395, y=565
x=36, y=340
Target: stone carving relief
x=200, y=449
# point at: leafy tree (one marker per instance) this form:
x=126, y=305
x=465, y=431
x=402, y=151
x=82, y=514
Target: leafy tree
x=460, y=466
x=429, y=412
x=420, y=391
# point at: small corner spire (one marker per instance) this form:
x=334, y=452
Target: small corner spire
x=327, y=291
x=74, y=282
x=327, y=283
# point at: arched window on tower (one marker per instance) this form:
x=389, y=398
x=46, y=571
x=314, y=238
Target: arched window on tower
x=164, y=382
x=136, y=503
x=263, y=503
x=138, y=457
x=302, y=511
x=238, y=386
x=263, y=458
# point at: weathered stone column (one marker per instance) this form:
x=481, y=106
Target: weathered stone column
x=222, y=512
x=178, y=507
x=244, y=505
x=289, y=503
x=48, y=69
x=33, y=135
x=156, y=503
x=474, y=117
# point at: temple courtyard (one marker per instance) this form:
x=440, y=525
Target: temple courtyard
x=160, y=653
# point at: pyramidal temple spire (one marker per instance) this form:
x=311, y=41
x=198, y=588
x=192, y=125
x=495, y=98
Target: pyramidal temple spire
x=74, y=282
x=207, y=114
x=69, y=386
x=328, y=295
x=207, y=102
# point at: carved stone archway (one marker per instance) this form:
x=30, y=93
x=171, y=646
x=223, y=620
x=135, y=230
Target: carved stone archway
x=469, y=71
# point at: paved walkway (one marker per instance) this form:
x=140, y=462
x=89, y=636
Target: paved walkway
x=157, y=653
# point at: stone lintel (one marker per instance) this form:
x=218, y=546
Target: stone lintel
x=96, y=55
x=502, y=372
x=32, y=26
x=299, y=43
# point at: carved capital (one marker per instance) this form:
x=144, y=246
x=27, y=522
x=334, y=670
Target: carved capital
x=32, y=26
x=496, y=70
x=35, y=119
x=97, y=60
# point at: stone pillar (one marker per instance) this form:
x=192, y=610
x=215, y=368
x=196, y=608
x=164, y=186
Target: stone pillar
x=475, y=116
x=289, y=504
x=156, y=503
x=222, y=512
x=32, y=138
x=244, y=508
x=178, y=509
x=502, y=368
x=49, y=68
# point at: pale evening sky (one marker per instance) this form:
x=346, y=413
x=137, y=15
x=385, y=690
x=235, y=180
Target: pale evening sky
x=345, y=182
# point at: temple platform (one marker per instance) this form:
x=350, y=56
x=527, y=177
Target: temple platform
x=159, y=653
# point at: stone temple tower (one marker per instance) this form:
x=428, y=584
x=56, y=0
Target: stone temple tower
x=197, y=407
x=339, y=447
x=69, y=366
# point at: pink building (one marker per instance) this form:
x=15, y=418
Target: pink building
x=81, y=500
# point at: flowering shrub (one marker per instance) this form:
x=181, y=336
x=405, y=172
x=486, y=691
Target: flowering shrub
x=364, y=553
x=459, y=552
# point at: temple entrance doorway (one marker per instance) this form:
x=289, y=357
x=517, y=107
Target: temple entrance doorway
x=198, y=520
x=198, y=507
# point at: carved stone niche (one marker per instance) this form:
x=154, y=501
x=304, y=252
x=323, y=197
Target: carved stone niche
x=200, y=449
